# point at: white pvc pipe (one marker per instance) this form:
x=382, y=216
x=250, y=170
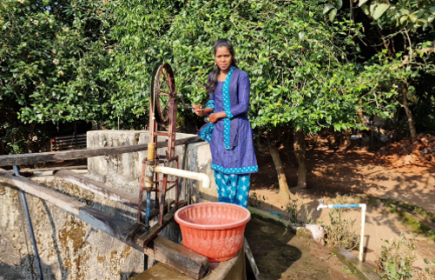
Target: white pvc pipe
x=201, y=177
x=363, y=207
x=363, y=221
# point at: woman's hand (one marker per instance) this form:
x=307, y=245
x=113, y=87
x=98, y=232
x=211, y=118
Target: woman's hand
x=213, y=118
x=198, y=111
x=201, y=112
x=216, y=116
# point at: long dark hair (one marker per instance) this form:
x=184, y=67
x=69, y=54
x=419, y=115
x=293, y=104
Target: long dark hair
x=213, y=78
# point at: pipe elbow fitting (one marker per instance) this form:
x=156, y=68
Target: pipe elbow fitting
x=205, y=180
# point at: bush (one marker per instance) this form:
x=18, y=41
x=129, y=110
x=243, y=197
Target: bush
x=396, y=259
x=341, y=230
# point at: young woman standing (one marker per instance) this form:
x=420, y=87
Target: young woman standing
x=229, y=131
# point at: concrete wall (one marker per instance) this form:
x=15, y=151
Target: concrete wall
x=72, y=249
x=68, y=247
x=198, y=159
x=123, y=171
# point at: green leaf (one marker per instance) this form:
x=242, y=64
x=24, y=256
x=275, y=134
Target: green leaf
x=421, y=22
x=404, y=11
x=365, y=10
x=426, y=261
x=339, y=4
x=372, y=8
x=332, y=14
x=420, y=13
x=380, y=10
x=413, y=18
x=328, y=7
x=432, y=10
x=392, y=269
x=362, y=2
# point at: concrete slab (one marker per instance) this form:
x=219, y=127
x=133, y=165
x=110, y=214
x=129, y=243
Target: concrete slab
x=233, y=269
x=364, y=271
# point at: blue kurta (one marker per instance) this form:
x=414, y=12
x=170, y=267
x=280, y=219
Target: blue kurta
x=240, y=159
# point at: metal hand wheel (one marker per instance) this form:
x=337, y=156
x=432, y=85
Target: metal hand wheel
x=162, y=88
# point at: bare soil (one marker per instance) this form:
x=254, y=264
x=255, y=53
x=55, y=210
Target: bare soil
x=280, y=254
x=350, y=171
x=354, y=172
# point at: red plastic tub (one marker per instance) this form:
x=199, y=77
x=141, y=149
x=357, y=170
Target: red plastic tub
x=214, y=230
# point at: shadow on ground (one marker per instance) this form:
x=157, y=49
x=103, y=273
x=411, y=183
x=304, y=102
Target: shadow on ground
x=269, y=245
x=331, y=171
x=280, y=254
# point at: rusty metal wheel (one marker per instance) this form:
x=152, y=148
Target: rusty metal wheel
x=162, y=88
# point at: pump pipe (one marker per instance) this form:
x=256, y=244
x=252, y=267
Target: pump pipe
x=29, y=223
x=201, y=177
x=363, y=207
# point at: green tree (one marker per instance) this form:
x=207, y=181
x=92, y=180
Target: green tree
x=51, y=53
x=400, y=34
x=138, y=44
x=301, y=73
x=63, y=61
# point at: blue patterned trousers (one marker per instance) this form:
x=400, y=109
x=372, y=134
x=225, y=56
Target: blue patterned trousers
x=233, y=188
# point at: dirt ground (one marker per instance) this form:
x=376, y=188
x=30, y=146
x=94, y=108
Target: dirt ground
x=352, y=172
x=282, y=255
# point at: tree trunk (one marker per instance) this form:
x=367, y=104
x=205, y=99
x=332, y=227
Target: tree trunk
x=282, y=180
x=408, y=113
x=2, y=148
x=299, y=146
x=396, y=125
x=345, y=142
x=30, y=145
x=360, y=112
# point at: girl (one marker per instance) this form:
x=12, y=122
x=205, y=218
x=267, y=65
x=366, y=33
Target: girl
x=229, y=131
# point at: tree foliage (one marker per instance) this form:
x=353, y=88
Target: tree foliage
x=411, y=14
x=312, y=64
x=400, y=37
x=51, y=53
x=300, y=70
x=50, y=59
x=303, y=70
x=92, y=60
x=137, y=31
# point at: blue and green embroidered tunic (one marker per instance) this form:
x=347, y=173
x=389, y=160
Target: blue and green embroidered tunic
x=231, y=140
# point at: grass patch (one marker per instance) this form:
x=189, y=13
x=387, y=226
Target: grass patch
x=411, y=207
x=373, y=201
x=416, y=218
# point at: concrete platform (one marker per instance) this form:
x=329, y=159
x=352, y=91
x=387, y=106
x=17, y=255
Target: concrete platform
x=233, y=269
